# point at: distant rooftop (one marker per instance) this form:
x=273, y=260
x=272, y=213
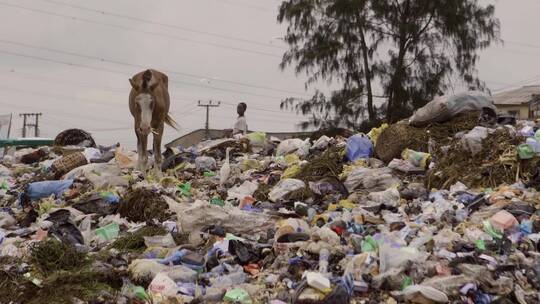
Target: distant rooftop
x=518, y=96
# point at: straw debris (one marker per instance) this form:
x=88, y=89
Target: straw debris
x=134, y=241
x=327, y=164
x=496, y=164
x=140, y=205
x=396, y=138
x=52, y=255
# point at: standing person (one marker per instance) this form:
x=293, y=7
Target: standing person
x=240, y=126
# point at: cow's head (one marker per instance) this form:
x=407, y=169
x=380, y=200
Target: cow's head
x=144, y=101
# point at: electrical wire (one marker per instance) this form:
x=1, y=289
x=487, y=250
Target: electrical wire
x=126, y=28
x=153, y=22
x=101, y=59
x=124, y=74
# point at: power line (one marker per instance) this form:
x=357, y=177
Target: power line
x=256, y=108
x=519, y=83
x=56, y=80
x=124, y=74
x=126, y=28
x=147, y=21
x=101, y=59
x=250, y=6
x=525, y=44
x=187, y=111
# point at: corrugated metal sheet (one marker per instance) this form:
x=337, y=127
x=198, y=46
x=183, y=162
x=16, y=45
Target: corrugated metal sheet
x=516, y=97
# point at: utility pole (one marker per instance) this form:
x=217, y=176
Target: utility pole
x=208, y=105
x=26, y=124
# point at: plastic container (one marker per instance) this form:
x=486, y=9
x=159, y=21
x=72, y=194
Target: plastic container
x=324, y=254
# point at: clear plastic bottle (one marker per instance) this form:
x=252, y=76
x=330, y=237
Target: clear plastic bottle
x=324, y=255
x=229, y=280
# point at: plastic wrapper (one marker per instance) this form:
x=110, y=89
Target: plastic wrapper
x=285, y=187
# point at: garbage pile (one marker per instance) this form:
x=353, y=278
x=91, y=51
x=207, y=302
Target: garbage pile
x=452, y=217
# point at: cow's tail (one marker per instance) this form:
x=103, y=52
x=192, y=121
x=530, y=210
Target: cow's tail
x=170, y=121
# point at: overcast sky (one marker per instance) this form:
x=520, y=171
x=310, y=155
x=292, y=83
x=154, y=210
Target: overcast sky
x=73, y=64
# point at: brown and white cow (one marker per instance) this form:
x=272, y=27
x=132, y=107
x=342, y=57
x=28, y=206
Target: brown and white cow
x=149, y=104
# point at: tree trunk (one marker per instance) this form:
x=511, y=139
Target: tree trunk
x=367, y=73
x=396, y=91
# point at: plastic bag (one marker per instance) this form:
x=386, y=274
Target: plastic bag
x=108, y=232
x=91, y=154
x=391, y=257
x=359, y=146
x=371, y=179
x=125, y=159
x=240, y=192
x=205, y=163
x=388, y=197
x=413, y=292
x=284, y=187
x=444, y=108
x=418, y=159
x=145, y=268
x=472, y=141
x=303, y=150
x=197, y=216
x=102, y=176
x=322, y=143
x=527, y=131
x=289, y=146
x=534, y=143
x=165, y=241
x=291, y=171
x=256, y=138
x=251, y=164
x=237, y=295
x=45, y=189
x=404, y=166
x=162, y=287
x=525, y=151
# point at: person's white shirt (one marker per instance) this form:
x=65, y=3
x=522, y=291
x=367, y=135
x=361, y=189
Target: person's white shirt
x=240, y=126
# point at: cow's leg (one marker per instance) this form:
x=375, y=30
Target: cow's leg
x=143, y=153
x=158, y=158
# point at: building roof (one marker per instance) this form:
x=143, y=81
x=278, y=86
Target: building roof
x=519, y=96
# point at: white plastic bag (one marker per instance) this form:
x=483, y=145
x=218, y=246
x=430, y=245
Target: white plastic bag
x=162, y=286
x=240, y=192
x=205, y=163
x=100, y=175
x=392, y=258
x=427, y=292
x=444, y=108
x=303, y=151
x=322, y=142
x=371, y=179
x=92, y=153
x=284, y=187
x=472, y=141
x=289, y=146
x=388, y=197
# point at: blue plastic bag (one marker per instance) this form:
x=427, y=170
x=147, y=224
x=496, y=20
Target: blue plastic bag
x=359, y=146
x=44, y=189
